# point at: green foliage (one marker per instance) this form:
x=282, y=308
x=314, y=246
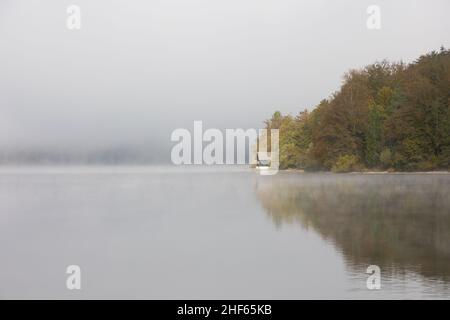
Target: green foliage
x=386, y=158
x=374, y=134
x=346, y=163
x=387, y=115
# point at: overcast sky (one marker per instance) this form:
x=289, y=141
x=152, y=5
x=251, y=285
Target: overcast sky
x=137, y=70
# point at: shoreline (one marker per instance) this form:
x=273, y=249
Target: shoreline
x=152, y=168
x=366, y=172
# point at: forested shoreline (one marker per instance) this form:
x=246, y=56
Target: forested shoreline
x=386, y=116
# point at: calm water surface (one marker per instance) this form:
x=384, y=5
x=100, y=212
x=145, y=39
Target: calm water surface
x=194, y=233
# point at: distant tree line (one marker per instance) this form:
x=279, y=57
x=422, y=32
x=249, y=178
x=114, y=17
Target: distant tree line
x=389, y=116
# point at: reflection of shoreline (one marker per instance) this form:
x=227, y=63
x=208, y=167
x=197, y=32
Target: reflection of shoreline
x=388, y=220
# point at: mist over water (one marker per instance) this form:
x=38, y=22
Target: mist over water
x=207, y=233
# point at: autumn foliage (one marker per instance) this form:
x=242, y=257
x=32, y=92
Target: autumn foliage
x=385, y=116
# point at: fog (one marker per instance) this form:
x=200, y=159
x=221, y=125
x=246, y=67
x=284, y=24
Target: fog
x=136, y=70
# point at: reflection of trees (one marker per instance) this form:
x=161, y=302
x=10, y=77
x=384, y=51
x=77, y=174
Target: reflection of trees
x=389, y=220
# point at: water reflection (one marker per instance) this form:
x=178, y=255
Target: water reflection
x=399, y=222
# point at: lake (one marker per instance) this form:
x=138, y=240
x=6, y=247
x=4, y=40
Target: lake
x=222, y=233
